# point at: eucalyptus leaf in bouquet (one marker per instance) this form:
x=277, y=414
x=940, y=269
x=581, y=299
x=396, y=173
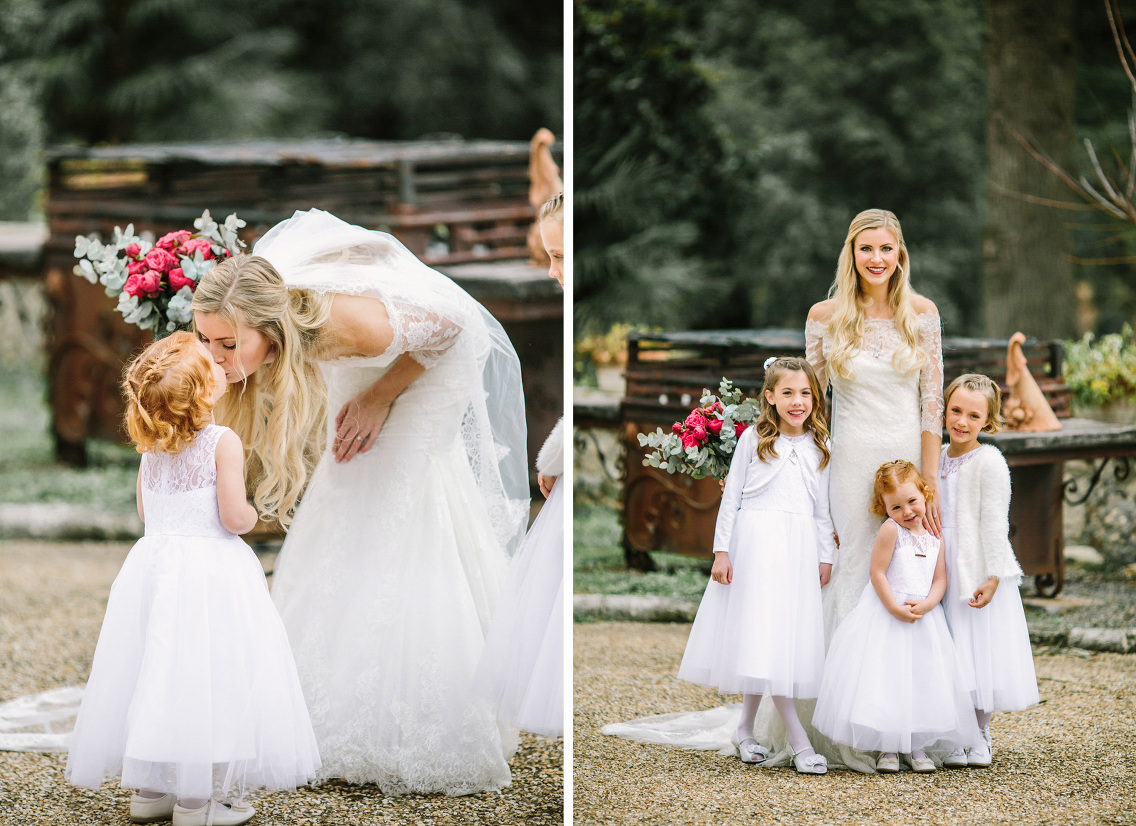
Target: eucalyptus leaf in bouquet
x=703, y=443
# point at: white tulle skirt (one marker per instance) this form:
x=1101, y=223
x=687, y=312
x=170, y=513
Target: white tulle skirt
x=763, y=633
x=193, y=689
x=895, y=686
x=994, y=640
x=522, y=666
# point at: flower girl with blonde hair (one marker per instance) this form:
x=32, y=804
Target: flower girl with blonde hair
x=759, y=626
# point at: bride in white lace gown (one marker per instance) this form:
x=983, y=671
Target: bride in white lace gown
x=397, y=550
x=878, y=343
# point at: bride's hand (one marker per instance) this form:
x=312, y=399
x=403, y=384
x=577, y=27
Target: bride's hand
x=932, y=518
x=358, y=424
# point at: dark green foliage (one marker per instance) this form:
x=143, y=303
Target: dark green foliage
x=652, y=175
x=112, y=71
x=815, y=110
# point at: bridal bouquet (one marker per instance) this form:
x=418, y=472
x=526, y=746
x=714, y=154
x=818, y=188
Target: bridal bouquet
x=154, y=283
x=703, y=443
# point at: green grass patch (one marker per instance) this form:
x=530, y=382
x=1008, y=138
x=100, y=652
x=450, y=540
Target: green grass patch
x=599, y=567
x=28, y=470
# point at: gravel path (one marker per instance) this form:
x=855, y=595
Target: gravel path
x=52, y=598
x=1070, y=760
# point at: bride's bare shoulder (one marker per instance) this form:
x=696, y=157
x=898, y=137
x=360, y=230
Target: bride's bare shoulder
x=359, y=326
x=821, y=312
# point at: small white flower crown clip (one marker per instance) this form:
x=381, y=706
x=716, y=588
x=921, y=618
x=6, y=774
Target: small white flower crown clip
x=769, y=361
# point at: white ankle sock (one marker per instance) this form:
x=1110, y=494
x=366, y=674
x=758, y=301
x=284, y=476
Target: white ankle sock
x=192, y=803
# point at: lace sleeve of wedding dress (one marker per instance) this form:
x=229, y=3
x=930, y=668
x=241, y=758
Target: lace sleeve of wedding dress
x=931, y=376
x=814, y=350
x=429, y=314
x=423, y=335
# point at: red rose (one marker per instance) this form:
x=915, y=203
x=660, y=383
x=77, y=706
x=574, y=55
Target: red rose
x=688, y=440
x=739, y=427
x=178, y=280
x=195, y=244
x=173, y=240
x=133, y=250
x=160, y=260
x=133, y=286
x=696, y=419
x=676, y=428
x=150, y=282
x=136, y=267
x=715, y=427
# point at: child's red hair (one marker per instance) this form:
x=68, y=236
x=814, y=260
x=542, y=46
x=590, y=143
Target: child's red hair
x=169, y=394
x=888, y=479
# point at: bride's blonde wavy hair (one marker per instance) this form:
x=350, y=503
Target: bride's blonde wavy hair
x=280, y=411
x=846, y=327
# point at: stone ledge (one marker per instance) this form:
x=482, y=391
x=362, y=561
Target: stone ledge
x=62, y=522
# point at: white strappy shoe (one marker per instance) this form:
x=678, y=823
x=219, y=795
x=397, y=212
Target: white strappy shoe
x=812, y=764
x=750, y=751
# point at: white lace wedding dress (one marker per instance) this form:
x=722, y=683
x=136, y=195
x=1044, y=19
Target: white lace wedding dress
x=877, y=416
x=392, y=566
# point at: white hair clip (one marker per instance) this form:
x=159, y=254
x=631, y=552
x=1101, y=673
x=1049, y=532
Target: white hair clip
x=769, y=361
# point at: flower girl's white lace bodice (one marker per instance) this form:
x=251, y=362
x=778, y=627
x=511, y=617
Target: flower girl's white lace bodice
x=179, y=491
x=912, y=566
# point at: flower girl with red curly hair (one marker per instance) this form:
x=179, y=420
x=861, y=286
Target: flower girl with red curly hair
x=193, y=693
x=893, y=680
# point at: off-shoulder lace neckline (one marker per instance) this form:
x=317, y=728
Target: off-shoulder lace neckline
x=921, y=316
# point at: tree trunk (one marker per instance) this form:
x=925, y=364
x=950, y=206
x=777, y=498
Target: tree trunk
x=1027, y=273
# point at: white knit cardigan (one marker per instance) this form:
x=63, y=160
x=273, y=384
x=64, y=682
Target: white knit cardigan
x=550, y=460
x=983, y=519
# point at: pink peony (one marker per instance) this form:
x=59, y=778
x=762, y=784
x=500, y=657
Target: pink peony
x=677, y=428
x=133, y=286
x=150, y=282
x=133, y=250
x=173, y=240
x=700, y=434
x=160, y=260
x=715, y=427
x=178, y=280
x=136, y=267
x=688, y=440
x=195, y=244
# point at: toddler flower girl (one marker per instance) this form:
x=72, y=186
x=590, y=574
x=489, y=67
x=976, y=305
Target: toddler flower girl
x=193, y=693
x=893, y=679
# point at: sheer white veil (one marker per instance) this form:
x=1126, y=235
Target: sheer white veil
x=316, y=251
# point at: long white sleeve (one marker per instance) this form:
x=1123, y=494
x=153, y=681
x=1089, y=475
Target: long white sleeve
x=826, y=546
